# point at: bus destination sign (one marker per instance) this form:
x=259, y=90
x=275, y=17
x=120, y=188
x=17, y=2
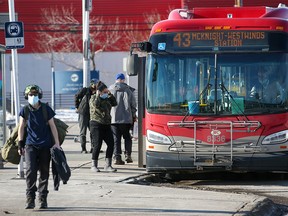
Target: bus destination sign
x=223, y=39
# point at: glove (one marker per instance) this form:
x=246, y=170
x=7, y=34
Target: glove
x=21, y=144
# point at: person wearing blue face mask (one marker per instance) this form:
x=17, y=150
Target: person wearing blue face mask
x=36, y=145
x=100, y=126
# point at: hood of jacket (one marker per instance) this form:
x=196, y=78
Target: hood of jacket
x=120, y=86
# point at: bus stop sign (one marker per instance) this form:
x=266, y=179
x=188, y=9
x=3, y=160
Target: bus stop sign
x=14, y=35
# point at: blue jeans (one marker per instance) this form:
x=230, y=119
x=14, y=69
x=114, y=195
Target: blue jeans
x=37, y=158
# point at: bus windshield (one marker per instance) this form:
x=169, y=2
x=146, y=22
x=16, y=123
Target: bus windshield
x=219, y=84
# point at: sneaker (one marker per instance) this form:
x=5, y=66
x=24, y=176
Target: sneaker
x=30, y=203
x=109, y=169
x=129, y=159
x=95, y=169
x=119, y=162
x=84, y=152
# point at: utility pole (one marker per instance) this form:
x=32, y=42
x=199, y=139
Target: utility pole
x=53, y=81
x=86, y=8
x=15, y=82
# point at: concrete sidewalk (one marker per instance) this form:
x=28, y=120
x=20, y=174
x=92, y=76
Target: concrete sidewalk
x=88, y=193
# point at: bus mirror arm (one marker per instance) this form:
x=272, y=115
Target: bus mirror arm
x=145, y=46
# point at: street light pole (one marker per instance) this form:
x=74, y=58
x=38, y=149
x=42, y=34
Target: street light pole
x=53, y=81
x=86, y=8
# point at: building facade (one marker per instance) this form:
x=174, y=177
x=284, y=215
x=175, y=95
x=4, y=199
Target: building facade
x=110, y=16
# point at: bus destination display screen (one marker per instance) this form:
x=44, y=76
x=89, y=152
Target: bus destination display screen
x=220, y=41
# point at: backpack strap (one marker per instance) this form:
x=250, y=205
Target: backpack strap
x=26, y=112
x=88, y=94
x=45, y=113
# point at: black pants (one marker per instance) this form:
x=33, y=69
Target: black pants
x=120, y=130
x=37, y=158
x=100, y=132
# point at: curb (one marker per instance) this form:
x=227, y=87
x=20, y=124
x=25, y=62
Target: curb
x=261, y=206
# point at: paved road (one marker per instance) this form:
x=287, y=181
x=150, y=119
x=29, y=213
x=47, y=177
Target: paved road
x=89, y=193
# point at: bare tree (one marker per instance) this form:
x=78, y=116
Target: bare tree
x=138, y=33
x=61, y=32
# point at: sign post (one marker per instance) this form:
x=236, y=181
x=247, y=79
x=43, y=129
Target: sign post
x=15, y=39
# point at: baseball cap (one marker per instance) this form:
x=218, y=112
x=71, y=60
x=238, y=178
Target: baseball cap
x=93, y=81
x=120, y=76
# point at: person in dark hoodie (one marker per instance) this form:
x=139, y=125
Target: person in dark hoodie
x=123, y=115
x=100, y=126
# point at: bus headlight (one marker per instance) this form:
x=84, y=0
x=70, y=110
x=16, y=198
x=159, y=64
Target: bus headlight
x=155, y=137
x=276, y=138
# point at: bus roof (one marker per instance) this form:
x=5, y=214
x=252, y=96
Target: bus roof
x=226, y=18
x=230, y=12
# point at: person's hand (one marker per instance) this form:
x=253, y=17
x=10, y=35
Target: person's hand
x=21, y=151
x=76, y=110
x=56, y=145
x=21, y=147
x=135, y=119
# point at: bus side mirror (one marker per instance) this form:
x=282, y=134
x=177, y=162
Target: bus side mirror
x=134, y=65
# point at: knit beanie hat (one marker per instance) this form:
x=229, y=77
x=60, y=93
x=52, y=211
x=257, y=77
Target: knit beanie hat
x=101, y=87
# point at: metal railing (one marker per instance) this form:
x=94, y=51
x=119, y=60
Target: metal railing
x=62, y=101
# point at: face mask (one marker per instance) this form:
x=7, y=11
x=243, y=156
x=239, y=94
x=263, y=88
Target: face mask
x=33, y=100
x=104, y=96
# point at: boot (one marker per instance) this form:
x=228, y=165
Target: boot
x=43, y=202
x=94, y=166
x=108, y=167
x=118, y=160
x=30, y=203
x=129, y=159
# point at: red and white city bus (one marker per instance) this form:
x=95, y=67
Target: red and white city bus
x=213, y=89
